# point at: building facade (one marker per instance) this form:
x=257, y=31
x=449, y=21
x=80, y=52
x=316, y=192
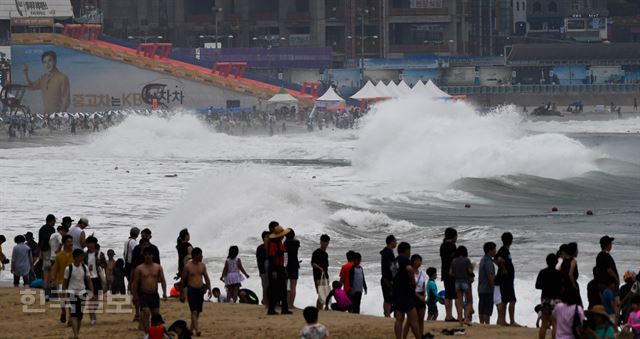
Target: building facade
x=352, y=28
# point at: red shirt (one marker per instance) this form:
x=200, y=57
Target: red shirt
x=276, y=253
x=344, y=276
x=156, y=332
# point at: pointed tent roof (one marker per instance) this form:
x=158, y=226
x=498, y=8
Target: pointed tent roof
x=435, y=91
x=418, y=87
x=403, y=88
x=368, y=91
x=382, y=89
x=392, y=88
x=330, y=96
x=283, y=97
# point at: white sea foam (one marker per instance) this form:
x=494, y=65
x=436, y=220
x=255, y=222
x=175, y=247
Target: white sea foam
x=417, y=142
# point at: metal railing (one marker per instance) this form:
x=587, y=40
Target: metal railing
x=549, y=89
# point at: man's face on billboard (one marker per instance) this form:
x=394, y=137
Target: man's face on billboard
x=49, y=63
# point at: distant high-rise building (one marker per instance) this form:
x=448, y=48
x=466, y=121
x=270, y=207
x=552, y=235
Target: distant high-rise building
x=352, y=28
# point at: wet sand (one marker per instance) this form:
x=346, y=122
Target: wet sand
x=219, y=321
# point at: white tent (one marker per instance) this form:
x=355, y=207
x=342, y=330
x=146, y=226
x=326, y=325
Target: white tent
x=436, y=92
x=283, y=97
x=418, y=87
x=392, y=88
x=368, y=91
x=330, y=96
x=382, y=89
x=403, y=88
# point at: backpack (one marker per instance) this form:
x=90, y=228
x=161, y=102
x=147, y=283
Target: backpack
x=67, y=279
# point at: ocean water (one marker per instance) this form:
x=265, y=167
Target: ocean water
x=408, y=171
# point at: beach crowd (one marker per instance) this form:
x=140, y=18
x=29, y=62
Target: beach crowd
x=68, y=264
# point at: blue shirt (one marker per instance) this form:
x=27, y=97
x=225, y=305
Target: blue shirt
x=485, y=270
x=607, y=299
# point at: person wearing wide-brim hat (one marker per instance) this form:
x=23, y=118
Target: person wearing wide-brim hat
x=277, y=273
x=279, y=232
x=601, y=325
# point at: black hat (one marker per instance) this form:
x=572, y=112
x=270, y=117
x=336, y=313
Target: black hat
x=67, y=220
x=606, y=240
x=28, y=235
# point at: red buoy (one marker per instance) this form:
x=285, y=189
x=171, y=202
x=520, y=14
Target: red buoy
x=554, y=209
x=589, y=212
x=467, y=205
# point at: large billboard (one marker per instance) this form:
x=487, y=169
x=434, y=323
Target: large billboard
x=64, y=80
x=35, y=8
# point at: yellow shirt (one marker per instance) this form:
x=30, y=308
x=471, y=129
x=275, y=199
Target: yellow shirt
x=56, y=95
x=63, y=259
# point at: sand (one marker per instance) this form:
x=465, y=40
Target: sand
x=217, y=321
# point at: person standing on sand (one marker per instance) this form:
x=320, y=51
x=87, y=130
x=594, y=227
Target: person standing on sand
x=192, y=274
x=292, y=245
x=404, y=295
x=129, y=246
x=563, y=316
x=64, y=258
x=262, y=260
x=232, y=274
x=145, y=287
x=3, y=258
x=78, y=235
x=486, y=283
x=605, y=265
x=447, y=250
x=506, y=280
x=570, y=274
x=21, y=262
x=462, y=270
x=421, y=295
x=547, y=282
x=77, y=283
x=184, y=249
x=320, y=264
x=635, y=104
x=277, y=272
x=44, y=234
x=387, y=258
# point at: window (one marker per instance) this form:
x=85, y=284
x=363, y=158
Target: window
x=576, y=5
x=302, y=5
x=537, y=7
x=518, y=6
x=553, y=7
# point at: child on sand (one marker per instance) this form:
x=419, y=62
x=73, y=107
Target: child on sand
x=231, y=274
x=432, y=294
x=157, y=330
x=342, y=303
x=219, y=297
x=313, y=330
x=117, y=285
x=633, y=322
x=358, y=284
x=111, y=264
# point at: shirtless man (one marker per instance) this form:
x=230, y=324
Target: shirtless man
x=192, y=275
x=145, y=288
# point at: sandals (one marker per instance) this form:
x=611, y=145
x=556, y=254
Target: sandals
x=455, y=331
